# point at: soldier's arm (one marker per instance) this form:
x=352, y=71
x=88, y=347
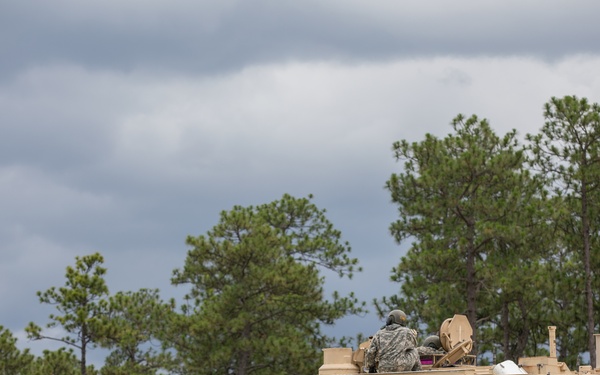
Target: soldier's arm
x=372, y=352
x=414, y=335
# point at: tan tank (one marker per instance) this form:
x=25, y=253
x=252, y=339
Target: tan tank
x=456, y=339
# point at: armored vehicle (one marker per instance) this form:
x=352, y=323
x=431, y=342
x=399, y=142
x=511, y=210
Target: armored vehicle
x=455, y=338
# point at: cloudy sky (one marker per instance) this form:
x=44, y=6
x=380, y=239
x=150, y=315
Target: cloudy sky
x=127, y=125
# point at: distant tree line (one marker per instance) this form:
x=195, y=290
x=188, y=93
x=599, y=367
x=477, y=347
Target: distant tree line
x=255, y=304
x=504, y=232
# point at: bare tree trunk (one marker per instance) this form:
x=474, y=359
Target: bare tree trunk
x=242, y=363
x=243, y=356
x=472, y=285
x=524, y=333
x=82, y=361
x=504, y=324
x=585, y=223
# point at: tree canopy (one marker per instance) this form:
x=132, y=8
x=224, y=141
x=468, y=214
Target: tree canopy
x=79, y=303
x=567, y=152
x=463, y=201
x=256, y=302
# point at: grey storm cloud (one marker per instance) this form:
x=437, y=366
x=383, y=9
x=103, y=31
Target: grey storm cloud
x=213, y=37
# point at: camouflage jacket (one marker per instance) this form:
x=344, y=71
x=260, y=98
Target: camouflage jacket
x=393, y=348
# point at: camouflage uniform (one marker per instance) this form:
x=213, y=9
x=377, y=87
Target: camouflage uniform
x=393, y=348
x=426, y=350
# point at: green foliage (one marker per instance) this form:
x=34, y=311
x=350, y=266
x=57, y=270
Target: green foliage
x=256, y=302
x=61, y=361
x=12, y=360
x=134, y=321
x=567, y=152
x=81, y=305
x=471, y=209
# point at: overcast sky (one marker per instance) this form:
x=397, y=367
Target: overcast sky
x=128, y=125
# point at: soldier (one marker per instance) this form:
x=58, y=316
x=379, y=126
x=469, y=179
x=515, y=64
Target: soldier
x=393, y=347
x=432, y=345
x=431, y=350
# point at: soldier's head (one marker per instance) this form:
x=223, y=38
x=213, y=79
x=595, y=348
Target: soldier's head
x=396, y=317
x=433, y=341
